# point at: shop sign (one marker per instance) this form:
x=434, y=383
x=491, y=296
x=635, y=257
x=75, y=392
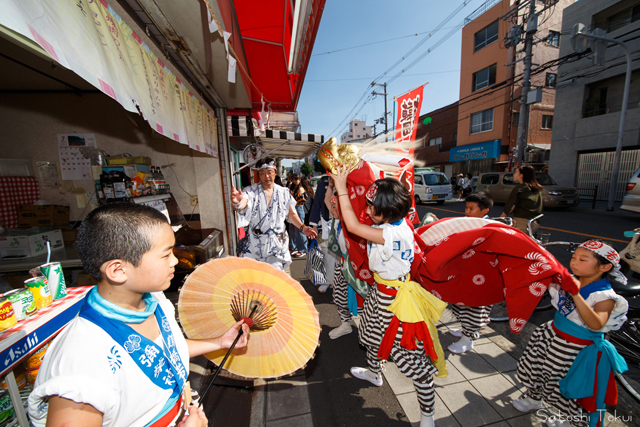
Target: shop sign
x=483, y=150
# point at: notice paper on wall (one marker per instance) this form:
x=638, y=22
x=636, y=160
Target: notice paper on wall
x=48, y=174
x=73, y=165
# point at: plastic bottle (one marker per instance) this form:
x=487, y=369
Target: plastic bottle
x=106, y=181
x=119, y=185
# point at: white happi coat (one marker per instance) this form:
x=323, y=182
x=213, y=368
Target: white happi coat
x=272, y=245
x=84, y=364
x=393, y=259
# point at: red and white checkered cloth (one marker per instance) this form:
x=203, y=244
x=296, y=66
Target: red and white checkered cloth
x=16, y=191
x=29, y=324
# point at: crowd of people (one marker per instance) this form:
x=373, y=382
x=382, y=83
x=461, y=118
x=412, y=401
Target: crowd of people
x=86, y=378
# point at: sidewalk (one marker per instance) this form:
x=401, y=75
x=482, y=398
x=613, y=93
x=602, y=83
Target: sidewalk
x=477, y=392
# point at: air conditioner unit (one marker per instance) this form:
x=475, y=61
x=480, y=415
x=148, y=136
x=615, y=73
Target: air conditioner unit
x=531, y=157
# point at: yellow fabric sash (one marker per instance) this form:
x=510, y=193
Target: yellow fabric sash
x=414, y=304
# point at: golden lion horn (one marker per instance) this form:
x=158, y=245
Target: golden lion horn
x=331, y=155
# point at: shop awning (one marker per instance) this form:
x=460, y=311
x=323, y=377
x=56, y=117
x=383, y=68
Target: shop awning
x=267, y=29
x=239, y=126
x=291, y=145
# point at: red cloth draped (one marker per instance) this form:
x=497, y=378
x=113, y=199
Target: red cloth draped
x=358, y=182
x=476, y=262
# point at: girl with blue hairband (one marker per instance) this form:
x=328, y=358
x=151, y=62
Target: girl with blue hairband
x=568, y=365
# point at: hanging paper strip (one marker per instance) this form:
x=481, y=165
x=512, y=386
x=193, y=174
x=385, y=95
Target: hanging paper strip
x=407, y=115
x=89, y=38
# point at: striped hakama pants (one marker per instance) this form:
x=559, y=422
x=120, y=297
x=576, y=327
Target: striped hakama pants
x=472, y=319
x=413, y=364
x=545, y=361
x=340, y=293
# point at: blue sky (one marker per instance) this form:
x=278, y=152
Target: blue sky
x=335, y=82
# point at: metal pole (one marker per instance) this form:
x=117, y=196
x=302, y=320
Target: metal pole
x=386, y=128
x=526, y=84
x=623, y=119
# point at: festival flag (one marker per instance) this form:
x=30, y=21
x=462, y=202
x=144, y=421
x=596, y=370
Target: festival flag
x=407, y=115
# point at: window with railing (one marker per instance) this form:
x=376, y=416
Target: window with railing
x=486, y=36
x=617, y=16
x=550, y=80
x=484, y=78
x=482, y=121
x=435, y=141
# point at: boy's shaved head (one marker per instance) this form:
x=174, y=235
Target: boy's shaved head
x=116, y=231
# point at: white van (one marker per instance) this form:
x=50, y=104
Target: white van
x=431, y=187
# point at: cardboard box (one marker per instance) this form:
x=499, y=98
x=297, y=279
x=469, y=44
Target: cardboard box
x=15, y=280
x=84, y=279
x=29, y=243
x=42, y=215
x=128, y=160
x=69, y=236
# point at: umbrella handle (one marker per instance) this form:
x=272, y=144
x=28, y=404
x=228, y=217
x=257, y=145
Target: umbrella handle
x=226, y=356
x=249, y=322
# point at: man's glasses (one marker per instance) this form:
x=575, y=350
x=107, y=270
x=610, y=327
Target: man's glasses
x=266, y=172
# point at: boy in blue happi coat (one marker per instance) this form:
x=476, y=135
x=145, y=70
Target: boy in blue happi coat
x=123, y=361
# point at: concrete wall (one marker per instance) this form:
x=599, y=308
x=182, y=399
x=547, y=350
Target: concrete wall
x=572, y=133
x=30, y=124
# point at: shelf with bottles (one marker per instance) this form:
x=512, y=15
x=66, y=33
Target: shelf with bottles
x=121, y=183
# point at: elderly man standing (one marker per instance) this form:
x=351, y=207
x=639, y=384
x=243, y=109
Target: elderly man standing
x=264, y=206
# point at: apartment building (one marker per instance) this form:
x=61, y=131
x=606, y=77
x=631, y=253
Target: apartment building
x=491, y=84
x=589, y=101
x=358, y=130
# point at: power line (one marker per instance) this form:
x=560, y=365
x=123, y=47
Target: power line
x=420, y=43
x=369, y=78
x=374, y=43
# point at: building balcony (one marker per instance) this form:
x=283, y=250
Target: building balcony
x=600, y=131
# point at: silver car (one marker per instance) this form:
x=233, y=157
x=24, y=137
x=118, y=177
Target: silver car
x=631, y=199
x=500, y=184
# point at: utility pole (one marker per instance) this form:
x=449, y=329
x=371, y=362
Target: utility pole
x=384, y=85
x=532, y=27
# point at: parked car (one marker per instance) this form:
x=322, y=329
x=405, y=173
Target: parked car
x=500, y=184
x=432, y=187
x=631, y=199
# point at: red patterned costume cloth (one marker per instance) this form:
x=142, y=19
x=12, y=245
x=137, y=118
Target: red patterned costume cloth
x=358, y=182
x=476, y=262
x=16, y=191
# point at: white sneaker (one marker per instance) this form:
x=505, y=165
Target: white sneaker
x=527, y=404
x=367, y=375
x=343, y=329
x=323, y=288
x=455, y=332
x=426, y=420
x=463, y=345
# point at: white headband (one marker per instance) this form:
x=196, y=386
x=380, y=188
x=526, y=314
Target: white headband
x=610, y=255
x=604, y=250
x=271, y=164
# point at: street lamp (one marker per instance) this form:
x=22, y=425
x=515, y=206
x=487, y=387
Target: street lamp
x=598, y=44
